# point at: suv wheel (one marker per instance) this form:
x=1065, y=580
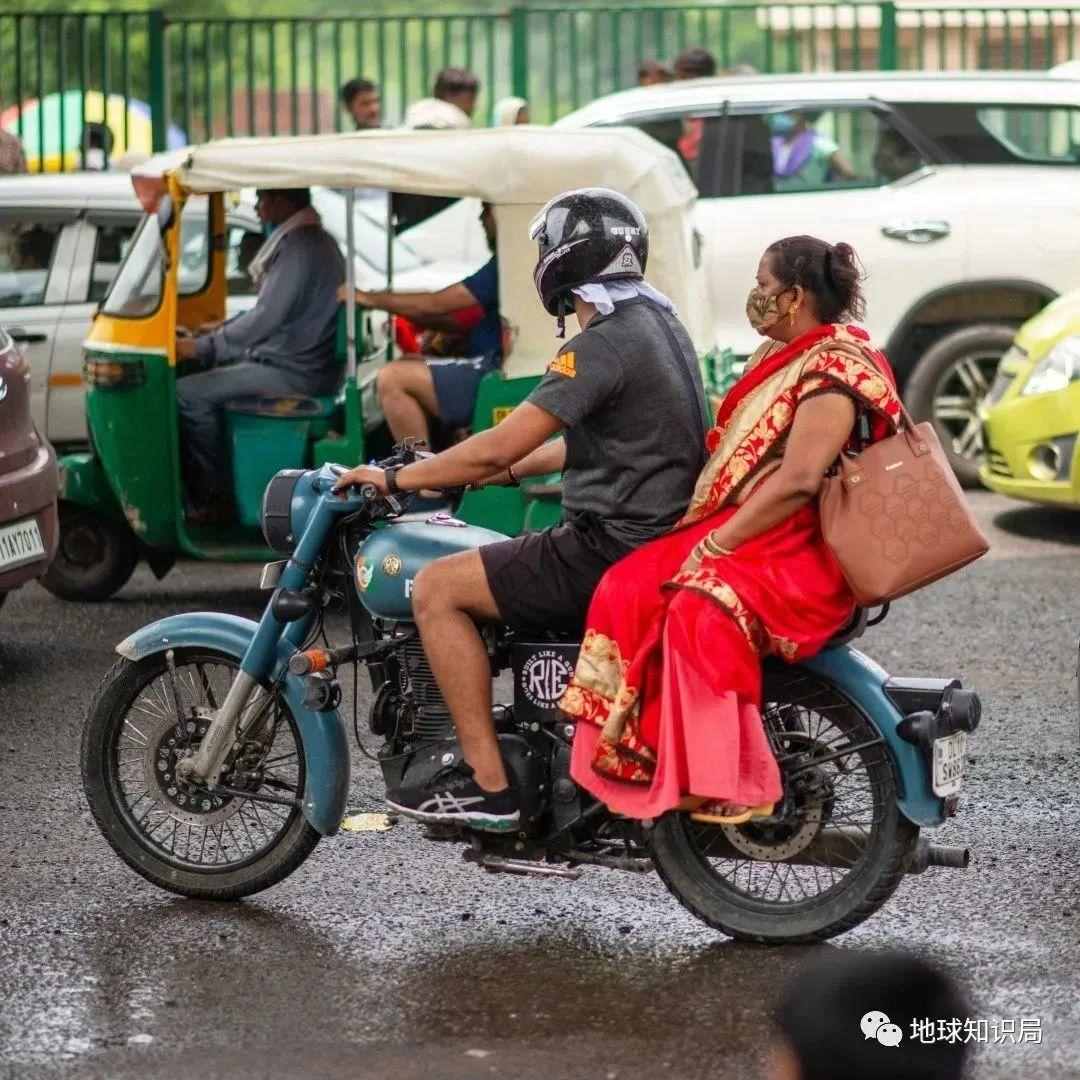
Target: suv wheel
x=950, y=383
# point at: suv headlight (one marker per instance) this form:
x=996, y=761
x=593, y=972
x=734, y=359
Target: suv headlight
x=1059, y=367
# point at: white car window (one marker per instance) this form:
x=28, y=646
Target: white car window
x=27, y=249
x=1042, y=135
x=111, y=244
x=785, y=150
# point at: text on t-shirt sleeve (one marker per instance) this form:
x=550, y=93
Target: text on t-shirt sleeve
x=582, y=378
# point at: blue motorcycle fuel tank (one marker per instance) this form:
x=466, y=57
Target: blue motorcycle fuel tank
x=390, y=558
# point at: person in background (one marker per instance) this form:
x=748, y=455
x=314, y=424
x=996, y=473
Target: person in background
x=12, y=158
x=894, y=157
x=361, y=100
x=853, y=1016
x=415, y=390
x=694, y=63
x=452, y=102
x=653, y=73
x=804, y=159
x=510, y=111
x=283, y=345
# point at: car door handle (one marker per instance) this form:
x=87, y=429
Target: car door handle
x=917, y=232
x=29, y=337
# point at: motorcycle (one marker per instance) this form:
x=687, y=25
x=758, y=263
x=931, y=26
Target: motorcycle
x=215, y=757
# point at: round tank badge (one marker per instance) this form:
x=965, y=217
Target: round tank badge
x=391, y=565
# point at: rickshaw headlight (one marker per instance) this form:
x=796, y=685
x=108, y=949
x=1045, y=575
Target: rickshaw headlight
x=113, y=374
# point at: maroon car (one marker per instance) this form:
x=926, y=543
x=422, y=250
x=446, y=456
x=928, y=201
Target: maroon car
x=28, y=479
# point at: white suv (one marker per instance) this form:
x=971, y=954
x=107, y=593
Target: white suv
x=958, y=192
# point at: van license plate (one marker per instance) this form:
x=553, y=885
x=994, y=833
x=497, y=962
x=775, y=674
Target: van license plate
x=949, y=763
x=20, y=543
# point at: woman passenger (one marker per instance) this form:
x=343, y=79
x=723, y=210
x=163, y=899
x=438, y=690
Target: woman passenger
x=667, y=691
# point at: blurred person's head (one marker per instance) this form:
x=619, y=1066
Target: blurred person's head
x=362, y=102
x=248, y=248
x=695, y=63
x=894, y=157
x=459, y=87
x=276, y=205
x=851, y=1016
x=510, y=111
x=35, y=248
x=653, y=72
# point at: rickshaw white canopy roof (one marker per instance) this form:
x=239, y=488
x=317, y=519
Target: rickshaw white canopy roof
x=516, y=169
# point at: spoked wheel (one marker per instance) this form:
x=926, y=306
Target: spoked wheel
x=182, y=836
x=835, y=849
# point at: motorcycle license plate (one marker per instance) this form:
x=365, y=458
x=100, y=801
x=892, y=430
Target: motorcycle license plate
x=949, y=763
x=20, y=543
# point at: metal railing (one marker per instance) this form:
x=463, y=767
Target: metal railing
x=140, y=80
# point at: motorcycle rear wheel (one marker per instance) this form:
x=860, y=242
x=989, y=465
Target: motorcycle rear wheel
x=712, y=870
x=187, y=841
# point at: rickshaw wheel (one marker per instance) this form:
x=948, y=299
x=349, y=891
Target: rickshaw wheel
x=95, y=556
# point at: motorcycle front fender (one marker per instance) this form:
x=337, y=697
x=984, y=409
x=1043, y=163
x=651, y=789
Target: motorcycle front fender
x=863, y=681
x=326, y=747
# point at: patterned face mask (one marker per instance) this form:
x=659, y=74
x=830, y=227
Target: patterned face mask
x=762, y=310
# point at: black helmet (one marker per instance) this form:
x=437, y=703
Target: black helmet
x=591, y=234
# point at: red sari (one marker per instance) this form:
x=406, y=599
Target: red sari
x=667, y=690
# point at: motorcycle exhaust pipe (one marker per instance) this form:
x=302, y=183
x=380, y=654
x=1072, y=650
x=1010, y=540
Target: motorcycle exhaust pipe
x=944, y=855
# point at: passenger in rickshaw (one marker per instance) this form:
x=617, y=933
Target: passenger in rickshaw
x=416, y=390
x=284, y=345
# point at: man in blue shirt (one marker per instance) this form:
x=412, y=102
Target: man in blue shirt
x=415, y=390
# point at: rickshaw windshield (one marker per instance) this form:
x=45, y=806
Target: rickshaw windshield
x=136, y=292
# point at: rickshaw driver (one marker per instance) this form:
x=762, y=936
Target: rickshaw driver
x=626, y=394
x=284, y=345
x=413, y=393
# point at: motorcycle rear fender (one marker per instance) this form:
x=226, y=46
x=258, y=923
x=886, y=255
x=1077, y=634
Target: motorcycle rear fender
x=863, y=681
x=326, y=748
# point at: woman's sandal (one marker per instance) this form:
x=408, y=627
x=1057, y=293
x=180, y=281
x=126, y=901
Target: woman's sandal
x=706, y=815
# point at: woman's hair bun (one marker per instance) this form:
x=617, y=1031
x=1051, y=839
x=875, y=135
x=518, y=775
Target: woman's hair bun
x=829, y=272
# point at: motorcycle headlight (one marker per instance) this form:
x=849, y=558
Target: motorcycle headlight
x=284, y=510
x=1059, y=367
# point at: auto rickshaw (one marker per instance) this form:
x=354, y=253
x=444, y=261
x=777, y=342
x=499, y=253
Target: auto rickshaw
x=122, y=501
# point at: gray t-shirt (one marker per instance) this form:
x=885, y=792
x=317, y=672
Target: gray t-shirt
x=628, y=388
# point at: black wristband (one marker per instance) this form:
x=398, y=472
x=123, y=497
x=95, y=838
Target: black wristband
x=391, y=479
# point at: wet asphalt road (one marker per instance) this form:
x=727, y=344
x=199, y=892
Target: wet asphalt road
x=386, y=956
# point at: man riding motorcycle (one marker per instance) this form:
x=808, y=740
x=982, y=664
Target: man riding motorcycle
x=626, y=396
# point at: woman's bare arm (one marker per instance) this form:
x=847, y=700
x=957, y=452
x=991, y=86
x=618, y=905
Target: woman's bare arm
x=821, y=427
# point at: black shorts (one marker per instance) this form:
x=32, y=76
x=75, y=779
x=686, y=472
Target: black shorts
x=543, y=581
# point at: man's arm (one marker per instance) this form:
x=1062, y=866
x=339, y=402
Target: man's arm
x=483, y=455
x=278, y=295
x=418, y=306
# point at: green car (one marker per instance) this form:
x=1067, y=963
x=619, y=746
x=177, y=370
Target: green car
x=1032, y=415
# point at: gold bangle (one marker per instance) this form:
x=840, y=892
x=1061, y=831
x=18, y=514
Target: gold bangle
x=713, y=548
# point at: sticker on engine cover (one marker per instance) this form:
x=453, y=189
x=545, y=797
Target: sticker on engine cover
x=544, y=678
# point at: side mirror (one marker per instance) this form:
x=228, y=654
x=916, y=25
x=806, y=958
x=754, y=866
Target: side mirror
x=166, y=213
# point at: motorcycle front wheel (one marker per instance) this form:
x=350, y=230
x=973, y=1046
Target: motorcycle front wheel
x=183, y=837
x=835, y=849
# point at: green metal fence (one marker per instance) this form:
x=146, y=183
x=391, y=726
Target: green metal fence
x=70, y=82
